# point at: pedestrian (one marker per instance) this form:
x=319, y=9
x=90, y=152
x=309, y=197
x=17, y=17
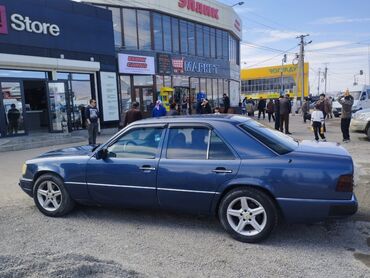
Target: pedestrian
x=184, y=106
x=317, y=122
x=285, y=109
x=250, y=108
x=206, y=107
x=216, y=111
x=158, y=110
x=323, y=105
x=270, y=110
x=294, y=106
x=261, y=108
x=346, y=101
x=13, y=118
x=132, y=115
x=173, y=111
x=277, y=114
x=305, y=109
x=244, y=106
x=330, y=106
x=226, y=101
x=92, y=117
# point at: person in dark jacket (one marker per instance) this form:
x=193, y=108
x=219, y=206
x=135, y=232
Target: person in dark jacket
x=347, y=102
x=277, y=114
x=270, y=110
x=173, y=111
x=132, y=115
x=261, y=108
x=206, y=107
x=92, y=117
x=13, y=118
x=305, y=109
x=285, y=108
x=158, y=110
x=226, y=100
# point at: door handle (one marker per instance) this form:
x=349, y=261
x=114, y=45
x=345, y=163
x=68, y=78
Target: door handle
x=147, y=168
x=222, y=170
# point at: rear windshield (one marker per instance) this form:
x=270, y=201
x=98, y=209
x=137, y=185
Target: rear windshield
x=275, y=140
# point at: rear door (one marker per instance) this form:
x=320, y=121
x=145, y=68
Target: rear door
x=195, y=161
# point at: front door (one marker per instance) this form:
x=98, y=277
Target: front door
x=12, y=108
x=194, y=165
x=127, y=176
x=59, y=110
x=145, y=97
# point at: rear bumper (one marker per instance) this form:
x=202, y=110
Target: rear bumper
x=312, y=210
x=26, y=185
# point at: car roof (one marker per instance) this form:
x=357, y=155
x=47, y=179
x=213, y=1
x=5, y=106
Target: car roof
x=229, y=118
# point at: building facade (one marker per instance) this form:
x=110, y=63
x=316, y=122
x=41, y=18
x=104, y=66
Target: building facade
x=57, y=55
x=191, y=46
x=270, y=82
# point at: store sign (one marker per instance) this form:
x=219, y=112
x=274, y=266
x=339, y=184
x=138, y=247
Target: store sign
x=3, y=21
x=24, y=23
x=199, y=8
x=199, y=67
x=164, y=65
x=109, y=95
x=289, y=69
x=178, y=65
x=135, y=64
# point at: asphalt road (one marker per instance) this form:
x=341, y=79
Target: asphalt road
x=103, y=242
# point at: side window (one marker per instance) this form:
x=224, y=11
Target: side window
x=138, y=143
x=368, y=93
x=188, y=143
x=363, y=96
x=218, y=150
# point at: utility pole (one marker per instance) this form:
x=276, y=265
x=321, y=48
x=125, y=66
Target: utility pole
x=282, y=79
x=301, y=61
x=326, y=77
x=318, y=84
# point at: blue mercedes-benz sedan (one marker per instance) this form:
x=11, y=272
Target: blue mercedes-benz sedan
x=246, y=174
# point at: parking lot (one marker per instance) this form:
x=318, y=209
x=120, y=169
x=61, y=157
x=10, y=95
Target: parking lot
x=105, y=242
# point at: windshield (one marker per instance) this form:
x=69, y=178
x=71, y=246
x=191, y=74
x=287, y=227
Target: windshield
x=272, y=138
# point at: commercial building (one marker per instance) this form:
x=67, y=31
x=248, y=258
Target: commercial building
x=270, y=82
x=56, y=55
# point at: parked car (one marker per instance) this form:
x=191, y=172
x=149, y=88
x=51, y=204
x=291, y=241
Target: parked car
x=229, y=166
x=361, y=122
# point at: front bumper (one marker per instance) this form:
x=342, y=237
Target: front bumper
x=26, y=185
x=312, y=210
x=358, y=125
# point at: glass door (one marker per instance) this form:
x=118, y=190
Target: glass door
x=59, y=114
x=144, y=96
x=11, y=108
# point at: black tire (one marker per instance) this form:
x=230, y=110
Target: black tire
x=268, y=219
x=66, y=204
x=368, y=132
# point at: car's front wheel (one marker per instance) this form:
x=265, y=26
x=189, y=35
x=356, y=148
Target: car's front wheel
x=51, y=197
x=248, y=214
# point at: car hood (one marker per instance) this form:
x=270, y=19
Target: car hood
x=72, y=151
x=327, y=148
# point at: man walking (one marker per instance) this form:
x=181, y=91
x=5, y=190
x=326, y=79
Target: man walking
x=132, y=115
x=285, y=109
x=92, y=117
x=226, y=100
x=305, y=109
x=261, y=108
x=346, y=101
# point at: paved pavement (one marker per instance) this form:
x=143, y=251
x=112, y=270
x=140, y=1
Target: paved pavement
x=103, y=242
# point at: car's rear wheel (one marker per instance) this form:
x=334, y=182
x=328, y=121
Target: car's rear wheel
x=249, y=215
x=51, y=197
x=368, y=131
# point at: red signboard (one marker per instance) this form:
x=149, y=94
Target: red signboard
x=237, y=25
x=199, y=8
x=3, y=23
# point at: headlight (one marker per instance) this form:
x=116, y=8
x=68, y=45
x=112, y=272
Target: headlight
x=24, y=169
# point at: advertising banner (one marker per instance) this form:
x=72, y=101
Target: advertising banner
x=135, y=64
x=164, y=65
x=109, y=96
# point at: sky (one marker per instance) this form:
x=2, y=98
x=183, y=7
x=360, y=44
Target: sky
x=339, y=30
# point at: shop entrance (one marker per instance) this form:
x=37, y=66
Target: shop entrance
x=145, y=97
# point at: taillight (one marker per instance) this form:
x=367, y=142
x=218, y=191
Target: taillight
x=345, y=184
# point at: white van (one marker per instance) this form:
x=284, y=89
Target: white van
x=361, y=101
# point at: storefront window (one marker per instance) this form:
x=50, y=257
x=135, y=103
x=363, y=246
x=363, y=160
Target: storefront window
x=125, y=92
x=203, y=86
x=200, y=45
x=144, y=30
x=219, y=43
x=167, y=81
x=143, y=80
x=213, y=42
x=191, y=38
x=167, y=33
x=158, y=32
x=206, y=41
x=159, y=82
x=194, y=84
x=209, y=92
x=23, y=74
x=220, y=91
x=129, y=28
x=184, y=37
x=117, y=28
x=180, y=80
x=175, y=35
x=215, y=91
x=225, y=45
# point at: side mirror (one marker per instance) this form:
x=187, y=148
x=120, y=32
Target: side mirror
x=102, y=154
